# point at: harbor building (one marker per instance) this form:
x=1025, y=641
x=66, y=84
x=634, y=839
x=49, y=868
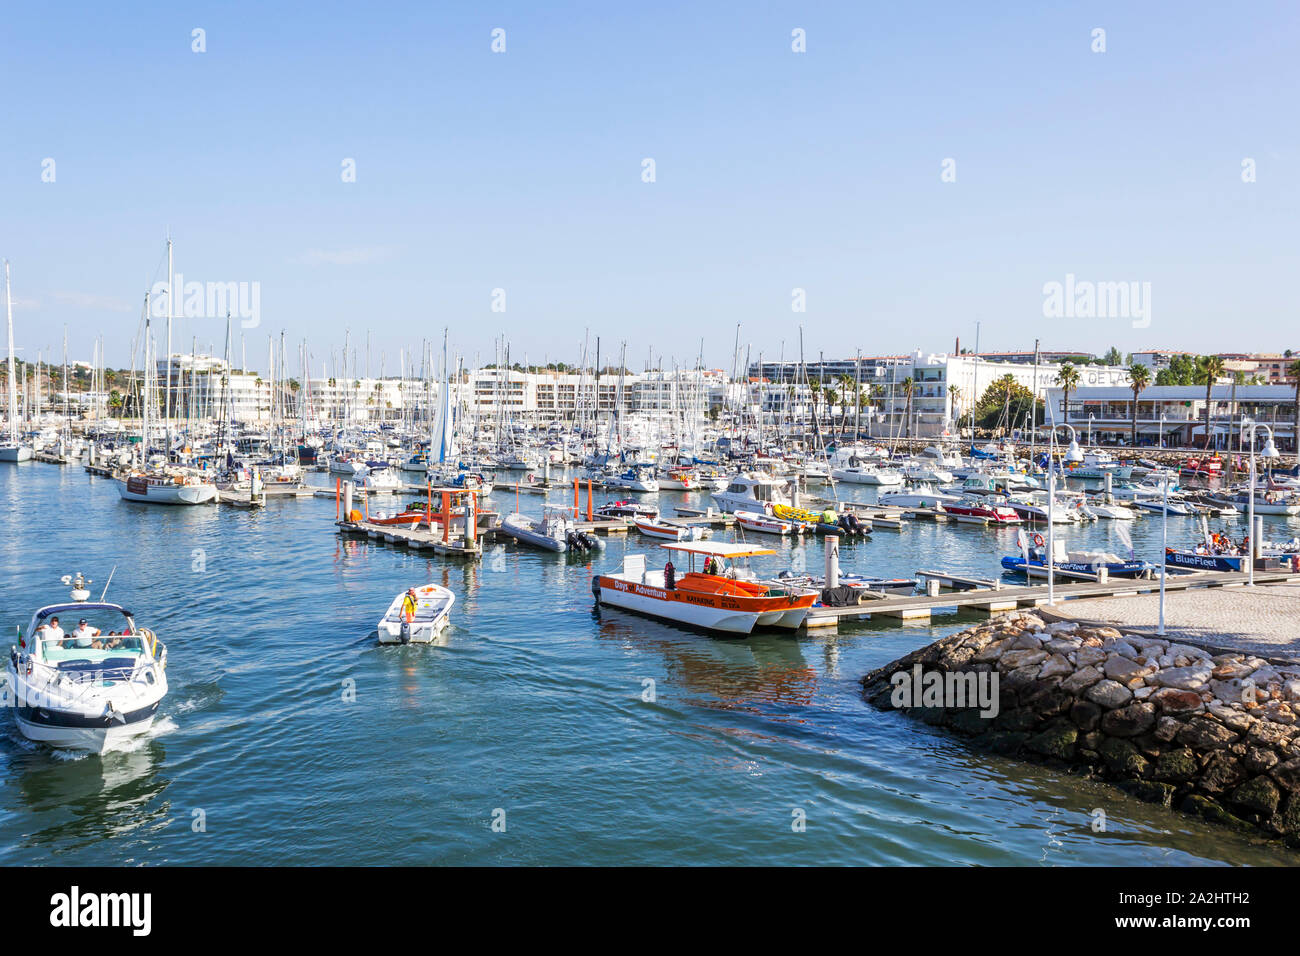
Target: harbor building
x=1173, y=416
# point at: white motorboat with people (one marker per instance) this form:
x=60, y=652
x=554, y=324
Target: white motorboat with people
x=417, y=615
x=720, y=597
x=84, y=675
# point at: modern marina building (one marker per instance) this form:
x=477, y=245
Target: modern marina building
x=1173, y=416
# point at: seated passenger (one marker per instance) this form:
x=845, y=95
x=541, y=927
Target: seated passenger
x=85, y=635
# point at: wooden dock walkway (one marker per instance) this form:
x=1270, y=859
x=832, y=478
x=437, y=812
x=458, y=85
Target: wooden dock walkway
x=995, y=600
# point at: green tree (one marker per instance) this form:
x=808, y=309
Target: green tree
x=1068, y=379
x=909, y=389
x=1294, y=371
x=1006, y=400
x=1139, y=377
x=1208, y=370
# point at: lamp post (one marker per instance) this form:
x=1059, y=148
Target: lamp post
x=1164, y=549
x=1072, y=454
x=1091, y=416
x=1269, y=451
x=1162, y=431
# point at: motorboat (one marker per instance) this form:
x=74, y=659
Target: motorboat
x=656, y=528
x=867, y=475
x=917, y=498
x=1034, y=559
x=873, y=586
x=551, y=531
x=769, y=524
x=92, y=689
x=1204, y=558
x=417, y=616
x=614, y=510
x=1114, y=512
x=719, y=598
x=753, y=491
x=975, y=509
x=166, y=487
x=636, y=478
x=677, y=479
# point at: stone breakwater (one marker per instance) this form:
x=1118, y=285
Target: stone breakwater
x=1213, y=734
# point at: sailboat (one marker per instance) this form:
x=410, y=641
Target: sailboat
x=12, y=449
x=166, y=485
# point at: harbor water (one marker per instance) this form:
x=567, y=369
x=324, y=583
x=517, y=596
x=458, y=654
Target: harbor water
x=543, y=732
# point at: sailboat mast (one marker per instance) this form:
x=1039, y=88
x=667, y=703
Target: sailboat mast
x=170, y=298
x=13, y=382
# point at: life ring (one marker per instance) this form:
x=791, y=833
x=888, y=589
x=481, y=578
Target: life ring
x=1038, y=540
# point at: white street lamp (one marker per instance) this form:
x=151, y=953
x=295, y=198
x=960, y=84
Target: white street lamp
x=1162, y=431
x=1072, y=454
x=1270, y=452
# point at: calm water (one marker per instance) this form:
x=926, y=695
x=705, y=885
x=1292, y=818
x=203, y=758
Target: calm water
x=534, y=707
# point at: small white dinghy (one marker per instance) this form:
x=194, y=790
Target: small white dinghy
x=753, y=521
x=656, y=528
x=421, y=624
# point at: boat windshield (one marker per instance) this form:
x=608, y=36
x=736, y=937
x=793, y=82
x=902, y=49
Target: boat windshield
x=89, y=633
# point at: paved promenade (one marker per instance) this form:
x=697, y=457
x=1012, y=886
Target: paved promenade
x=1264, y=620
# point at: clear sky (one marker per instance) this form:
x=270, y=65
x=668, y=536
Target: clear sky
x=774, y=170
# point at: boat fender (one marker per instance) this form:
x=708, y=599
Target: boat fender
x=595, y=588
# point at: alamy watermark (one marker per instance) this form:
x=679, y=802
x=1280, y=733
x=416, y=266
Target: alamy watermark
x=210, y=300
x=1085, y=299
x=946, y=689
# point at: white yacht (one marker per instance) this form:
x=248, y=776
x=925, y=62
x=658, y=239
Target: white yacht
x=867, y=475
x=88, y=689
x=753, y=491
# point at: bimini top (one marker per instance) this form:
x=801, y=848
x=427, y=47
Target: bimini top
x=79, y=606
x=718, y=549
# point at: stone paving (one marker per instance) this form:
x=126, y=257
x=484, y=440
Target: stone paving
x=1264, y=620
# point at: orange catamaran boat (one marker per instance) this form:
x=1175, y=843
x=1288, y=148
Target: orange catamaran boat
x=716, y=599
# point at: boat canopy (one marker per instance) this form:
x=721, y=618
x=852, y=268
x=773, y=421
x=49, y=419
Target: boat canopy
x=78, y=606
x=718, y=549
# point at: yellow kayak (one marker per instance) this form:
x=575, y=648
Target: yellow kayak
x=796, y=514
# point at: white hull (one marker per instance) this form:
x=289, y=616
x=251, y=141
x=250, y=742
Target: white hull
x=857, y=477
x=713, y=619
x=97, y=740
x=15, y=453
x=170, y=494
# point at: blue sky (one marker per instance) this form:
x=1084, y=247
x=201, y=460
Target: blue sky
x=774, y=171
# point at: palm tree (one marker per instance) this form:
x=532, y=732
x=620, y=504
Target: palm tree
x=1139, y=377
x=954, y=396
x=1068, y=379
x=815, y=387
x=1208, y=370
x=831, y=397
x=1294, y=371
x=909, y=388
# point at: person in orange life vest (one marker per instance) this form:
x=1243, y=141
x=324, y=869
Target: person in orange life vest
x=408, y=605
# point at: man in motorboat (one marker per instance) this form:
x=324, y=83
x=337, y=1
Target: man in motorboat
x=51, y=631
x=84, y=636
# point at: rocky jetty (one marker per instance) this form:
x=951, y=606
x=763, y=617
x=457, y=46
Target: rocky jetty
x=1213, y=733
